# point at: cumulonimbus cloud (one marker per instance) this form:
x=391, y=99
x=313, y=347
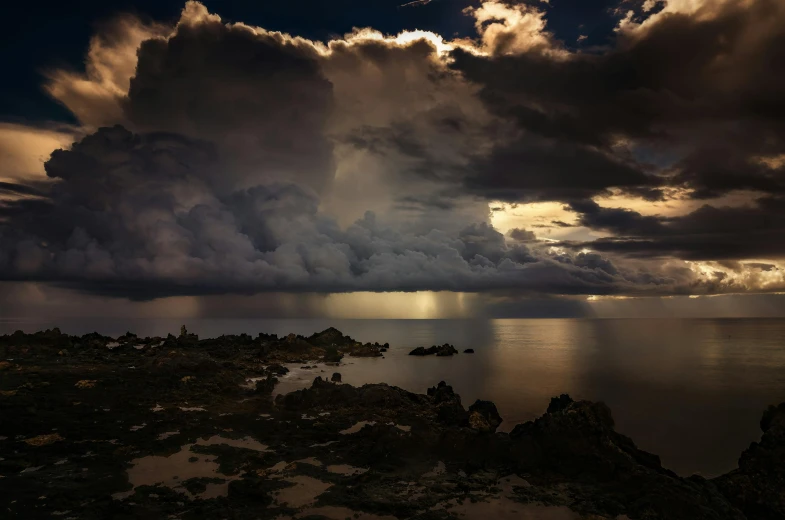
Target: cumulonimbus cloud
x=247, y=160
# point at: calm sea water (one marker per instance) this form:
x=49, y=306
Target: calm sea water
x=691, y=391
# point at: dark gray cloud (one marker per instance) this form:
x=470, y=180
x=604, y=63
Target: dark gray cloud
x=261, y=98
x=688, y=100
x=247, y=160
x=141, y=216
x=708, y=233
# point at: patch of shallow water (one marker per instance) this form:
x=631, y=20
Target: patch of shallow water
x=439, y=469
x=297, y=378
x=248, y=443
x=346, y=469
x=278, y=466
x=310, y=461
x=357, y=427
x=175, y=469
x=501, y=507
x=340, y=513
x=166, y=435
x=303, y=493
x=322, y=445
x=192, y=409
x=138, y=427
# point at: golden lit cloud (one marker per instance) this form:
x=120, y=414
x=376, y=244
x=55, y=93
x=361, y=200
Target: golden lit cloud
x=25, y=149
x=94, y=95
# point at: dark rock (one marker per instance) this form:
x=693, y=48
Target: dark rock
x=757, y=487
x=266, y=386
x=469, y=351
x=331, y=355
x=330, y=337
x=451, y=413
x=446, y=350
x=252, y=488
x=558, y=404
x=278, y=370
x=439, y=350
x=336, y=378
x=443, y=392
x=486, y=411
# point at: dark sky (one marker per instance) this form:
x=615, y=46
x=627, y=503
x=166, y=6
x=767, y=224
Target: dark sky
x=522, y=151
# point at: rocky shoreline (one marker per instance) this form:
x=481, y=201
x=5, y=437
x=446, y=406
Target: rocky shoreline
x=178, y=427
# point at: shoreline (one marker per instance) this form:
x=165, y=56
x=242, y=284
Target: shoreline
x=88, y=414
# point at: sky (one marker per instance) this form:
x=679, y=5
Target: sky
x=443, y=158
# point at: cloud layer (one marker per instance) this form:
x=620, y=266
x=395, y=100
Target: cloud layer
x=225, y=158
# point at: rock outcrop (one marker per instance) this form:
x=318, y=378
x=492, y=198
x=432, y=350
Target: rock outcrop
x=757, y=487
x=438, y=350
x=408, y=455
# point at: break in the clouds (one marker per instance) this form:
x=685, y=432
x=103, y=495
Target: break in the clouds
x=219, y=157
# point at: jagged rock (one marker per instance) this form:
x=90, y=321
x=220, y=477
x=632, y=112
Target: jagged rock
x=336, y=378
x=278, y=370
x=558, y=404
x=331, y=355
x=757, y=487
x=330, y=337
x=439, y=350
x=570, y=456
x=442, y=392
x=266, y=386
x=251, y=487
x=486, y=411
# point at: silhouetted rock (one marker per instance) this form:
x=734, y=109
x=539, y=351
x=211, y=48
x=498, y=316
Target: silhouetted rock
x=331, y=355
x=277, y=369
x=757, y=487
x=469, y=351
x=266, y=386
x=336, y=378
x=558, y=404
x=439, y=350
x=571, y=456
x=484, y=416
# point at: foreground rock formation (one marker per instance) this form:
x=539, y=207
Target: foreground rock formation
x=178, y=427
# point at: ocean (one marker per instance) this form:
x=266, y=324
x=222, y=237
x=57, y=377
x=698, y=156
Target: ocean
x=691, y=391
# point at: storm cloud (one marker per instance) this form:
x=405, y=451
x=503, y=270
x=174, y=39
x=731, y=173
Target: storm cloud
x=225, y=158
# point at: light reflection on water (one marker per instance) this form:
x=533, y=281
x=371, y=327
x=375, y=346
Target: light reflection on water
x=691, y=391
